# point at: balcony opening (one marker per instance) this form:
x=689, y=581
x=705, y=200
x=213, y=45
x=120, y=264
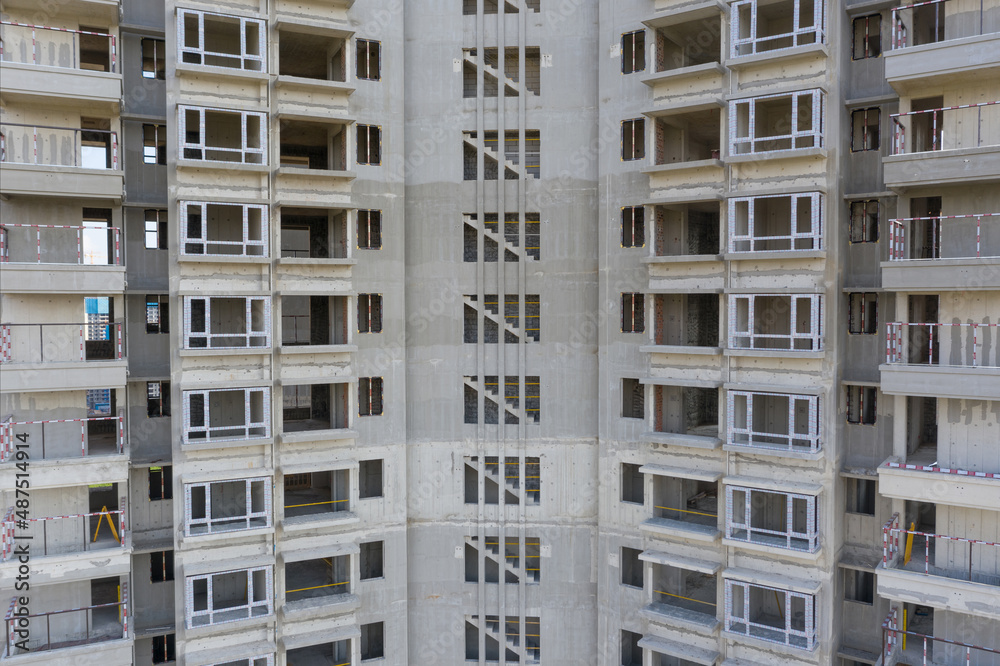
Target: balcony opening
x=760, y=27
x=686, y=320
x=781, y=520
x=775, y=421
x=218, y=229
x=96, y=141
x=686, y=410
x=924, y=347
x=770, y=123
x=687, y=229
x=229, y=596
x=928, y=23
x=771, y=614
x=687, y=137
x=631, y=653
x=97, y=617
x=922, y=516
x=310, y=56
x=99, y=527
x=314, y=233
x=927, y=129
x=633, y=484
x=633, y=399
x=633, y=570
x=227, y=414
x=218, y=40
x=337, y=652
x=214, y=135
x=922, y=431
x=690, y=592
x=322, y=578
x=227, y=506
x=686, y=500
x=776, y=322
x=776, y=223
x=313, y=320
x=320, y=493
x=689, y=44
x=314, y=146
x=925, y=229
x=94, y=52
x=307, y=407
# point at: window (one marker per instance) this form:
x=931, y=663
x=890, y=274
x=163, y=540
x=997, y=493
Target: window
x=633, y=313
x=369, y=60
x=633, y=484
x=776, y=321
x=867, y=37
x=861, y=404
x=221, y=135
x=154, y=144
x=633, y=399
x=157, y=313
x=227, y=506
x=759, y=27
x=164, y=650
x=864, y=221
x=161, y=483
x=161, y=566
x=155, y=229
x=865, y=129
x=157, y=399
x=369, y=313
x=217, y=322
x=772, y=123
x=861, y=496
x=223, y=229
x=369, y=230
x=228, y=596
x=778, y=519
x=633, y=139
x=369, y=145
x=154, y=58
x=776, y=223
x=859, y=586
x=771, y=614
x=226, y=414
x=371, y=560
x=370, y=396
x=776, y=421
x=370, y=479
x=632, y=567
x=863, y=317
x=633, y=52
x=633, y=226
x=372, y=641
x=219, y=40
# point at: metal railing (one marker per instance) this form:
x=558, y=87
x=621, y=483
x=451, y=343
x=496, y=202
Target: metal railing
x=930, y=130
x=37, y=632
x=73, y=244
x=58, y=146
x=76, y=533
x=971, y=345
x=957, y=652
x=32, y=434
x=61, y=343
x=944, y=27
x=896, y=557
x=48, y=48
x=935, y=469
x=908, y=241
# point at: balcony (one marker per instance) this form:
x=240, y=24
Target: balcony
x=776, y=126
x=60, y=161
x=921, y=477
x=46, y=257
x=775, y=29
x=322, y=584
x=62, y=439
x=228, y=596
x=953, y=144
x=777, y=423
x=904, y=646
x=686, y=232
x=60, y=62
x=942, y=40
x=216, y=416
x=227, y=506
x=217, y=323
x=233, y=44
x=775, y=324
x=57, y=632
x=683, y=593
x=953, y=573
x=688, y=50
x=787, y=225
x=935, y=253
x=685, y=324
x=316, y=496
x=315, y=411
x=784, y=520
x=223, y=138
x=685, y=415
x=312, y=71
x=686, y=147
x=685, y=503
x=223, y=230
x=65, y=356
x=771, y=614
x=942, y=360
x=60, y=535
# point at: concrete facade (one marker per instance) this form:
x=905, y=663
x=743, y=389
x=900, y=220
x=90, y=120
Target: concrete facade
x=257, y=258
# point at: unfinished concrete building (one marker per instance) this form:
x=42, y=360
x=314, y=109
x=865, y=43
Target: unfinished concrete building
x=638, y=333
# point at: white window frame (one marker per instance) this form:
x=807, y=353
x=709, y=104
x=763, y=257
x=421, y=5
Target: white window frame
x=208, y=335
x=246, y=60
x=746, y=338
x=259, y=155
x=747, y=242
x=755, y=43
x=206, y=244
x=209, y=520
x=190, y=615
x=744, y=523
x=746, y=145
x=767, y=632
x=207, y=429
x=744, y=432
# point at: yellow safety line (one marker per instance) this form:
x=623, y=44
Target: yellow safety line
x=697, y=601
x=697, y=513
x=304, y=589
x=296, y=506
